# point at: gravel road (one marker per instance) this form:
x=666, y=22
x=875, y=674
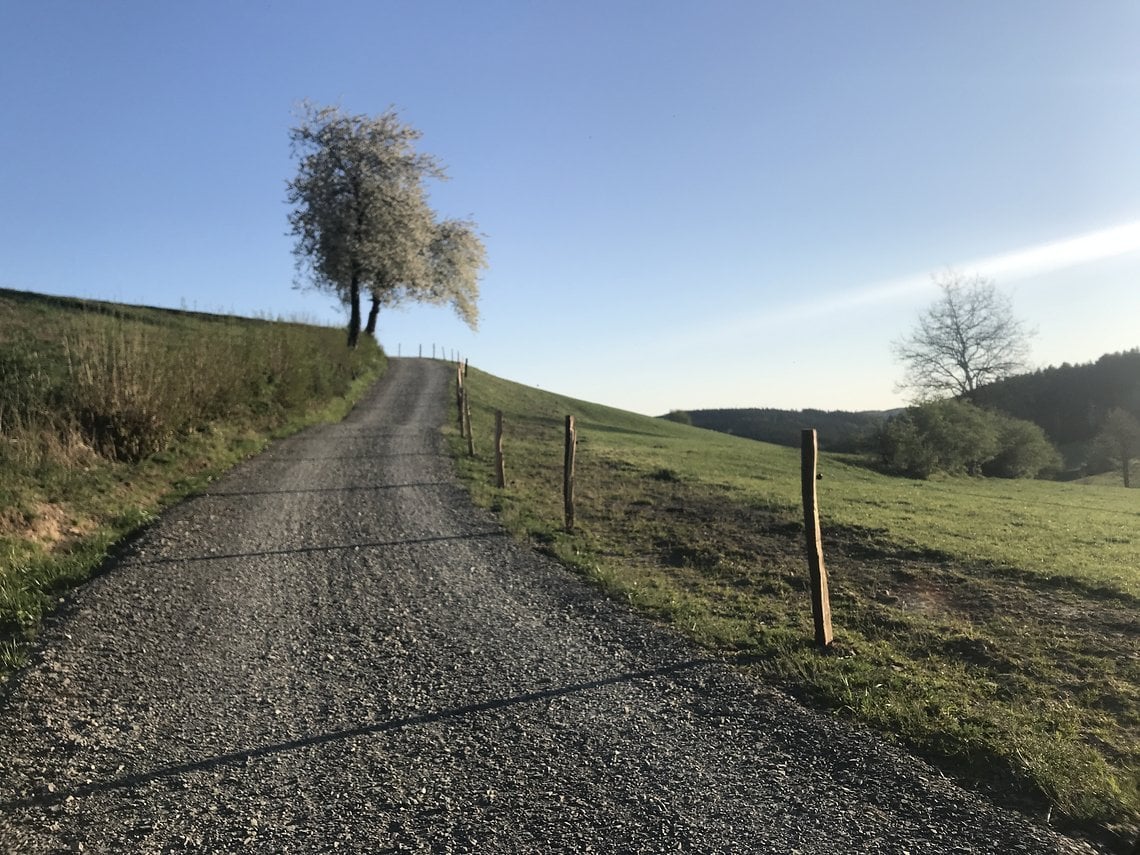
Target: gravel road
x=332, y=650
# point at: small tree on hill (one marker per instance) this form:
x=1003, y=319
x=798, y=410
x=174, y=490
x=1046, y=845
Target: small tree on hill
x=968, y=338
x=1119, y=438
x=362, y=221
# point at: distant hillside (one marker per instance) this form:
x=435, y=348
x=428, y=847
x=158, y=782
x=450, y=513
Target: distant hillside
x=1070, y=402
x=838, y=430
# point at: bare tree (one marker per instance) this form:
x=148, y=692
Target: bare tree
x=360, y=214
x=968, y=338
x=1119, y=438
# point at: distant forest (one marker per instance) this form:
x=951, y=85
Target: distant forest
x=838, y=430
x=1069, y=402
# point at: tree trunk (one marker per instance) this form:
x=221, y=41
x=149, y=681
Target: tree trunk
x=373, y=311
x=354, y=312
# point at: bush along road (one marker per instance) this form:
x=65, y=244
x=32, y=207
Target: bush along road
x=333, y=650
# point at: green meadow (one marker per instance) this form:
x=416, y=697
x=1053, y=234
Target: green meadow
x=988, y=625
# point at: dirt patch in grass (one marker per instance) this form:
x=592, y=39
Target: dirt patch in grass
x=49, y=525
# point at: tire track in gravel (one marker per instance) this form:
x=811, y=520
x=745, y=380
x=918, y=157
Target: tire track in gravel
x=332, y=650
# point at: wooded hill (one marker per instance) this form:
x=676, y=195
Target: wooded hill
x=1069, y=402
x=838, y=430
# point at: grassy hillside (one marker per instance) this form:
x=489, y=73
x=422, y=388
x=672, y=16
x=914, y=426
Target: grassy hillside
x=989, y=625
x=108, y=413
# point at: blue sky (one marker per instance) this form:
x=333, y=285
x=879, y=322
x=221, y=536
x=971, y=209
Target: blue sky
x=685, y=204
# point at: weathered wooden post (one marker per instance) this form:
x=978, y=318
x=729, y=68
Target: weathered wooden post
x=820, y=601
x=467, y=422
x=568, y=472
x=500, y=470
x=460, y=392
x=465, y=367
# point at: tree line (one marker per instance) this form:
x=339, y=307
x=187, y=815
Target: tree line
x=1091, y=411
x=839, y=430
x=1071, y=402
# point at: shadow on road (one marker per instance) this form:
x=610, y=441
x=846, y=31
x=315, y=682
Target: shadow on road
x=371, y=488
x=306, y=550
x=356, y=458
x=240, y=757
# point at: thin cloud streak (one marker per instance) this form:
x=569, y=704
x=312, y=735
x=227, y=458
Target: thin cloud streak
x=1018, y=264
x=1095, y=246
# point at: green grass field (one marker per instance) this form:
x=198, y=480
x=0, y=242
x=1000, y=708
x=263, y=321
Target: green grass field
x=990, y=626
x=109, y=413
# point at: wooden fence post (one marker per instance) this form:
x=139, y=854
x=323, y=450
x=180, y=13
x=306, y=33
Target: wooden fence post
x=820, y=601
x=465, y=367
x=459, y=394
x=500, y=471
x=568, y=472
x=467, y=422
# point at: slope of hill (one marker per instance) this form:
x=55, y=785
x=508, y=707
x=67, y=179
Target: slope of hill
x=990, y=625
x=108, y=412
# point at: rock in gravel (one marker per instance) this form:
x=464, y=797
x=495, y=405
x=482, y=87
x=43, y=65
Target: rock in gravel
x=333, y=651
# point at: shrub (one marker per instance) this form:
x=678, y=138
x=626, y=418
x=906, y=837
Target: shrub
x=1024, y=450
x=957, y=437
x=679, y=416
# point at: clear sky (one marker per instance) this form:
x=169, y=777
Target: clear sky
x=685, y=204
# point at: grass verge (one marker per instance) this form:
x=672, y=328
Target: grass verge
x=989, y=626
x=110, y=413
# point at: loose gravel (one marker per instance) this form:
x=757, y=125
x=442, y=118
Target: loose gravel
x=332, y=650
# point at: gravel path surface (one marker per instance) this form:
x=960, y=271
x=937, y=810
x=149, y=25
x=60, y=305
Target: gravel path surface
x=333, y=651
